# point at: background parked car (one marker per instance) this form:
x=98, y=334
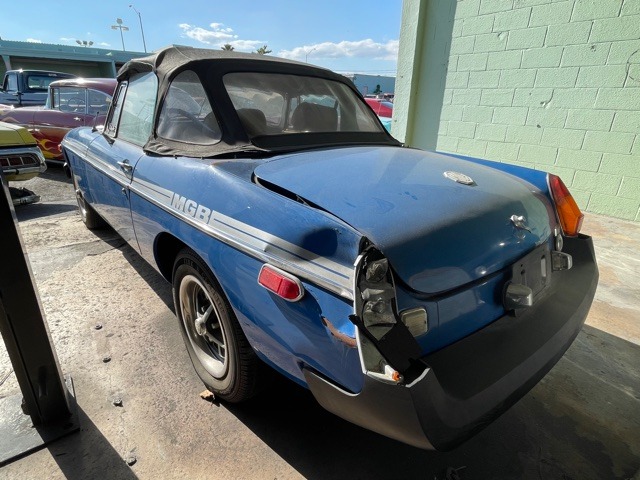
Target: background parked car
x=20, y=159
x=71, y=103
x=21, y=88
x=383, y=108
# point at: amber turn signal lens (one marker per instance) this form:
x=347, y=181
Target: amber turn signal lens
x=568, y=211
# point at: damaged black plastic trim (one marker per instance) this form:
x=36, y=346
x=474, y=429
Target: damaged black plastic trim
x=471, y=382
x=392, y=340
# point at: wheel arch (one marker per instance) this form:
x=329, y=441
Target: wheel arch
x=165, y=251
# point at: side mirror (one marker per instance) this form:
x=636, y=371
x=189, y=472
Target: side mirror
x=103, y=131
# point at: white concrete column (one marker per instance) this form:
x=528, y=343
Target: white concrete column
x=425, y=43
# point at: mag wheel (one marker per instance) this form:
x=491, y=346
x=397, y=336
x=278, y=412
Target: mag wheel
x=219, y=350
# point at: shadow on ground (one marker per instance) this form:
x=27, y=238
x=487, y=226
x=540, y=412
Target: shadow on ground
x=54, y=198
x=582, y=421
x=156, y=281
x=82, y=454
x=56, y=173
x=39, y=210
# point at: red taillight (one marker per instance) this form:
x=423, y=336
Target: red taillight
x=568, y=211
x=281, y=283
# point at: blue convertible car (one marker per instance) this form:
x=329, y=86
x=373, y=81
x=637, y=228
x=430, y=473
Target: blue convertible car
x=414, y=293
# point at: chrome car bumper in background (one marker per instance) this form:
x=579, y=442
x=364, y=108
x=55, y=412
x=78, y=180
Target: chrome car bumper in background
x=22, y=163
x=469, y=383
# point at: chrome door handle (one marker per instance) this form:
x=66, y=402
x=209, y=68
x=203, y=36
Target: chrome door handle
x=124, y=165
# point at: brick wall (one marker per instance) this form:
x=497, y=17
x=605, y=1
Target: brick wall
x=553, y=85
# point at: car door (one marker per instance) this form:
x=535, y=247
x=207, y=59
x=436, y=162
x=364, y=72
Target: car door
x=11, y=90
x=66, y=108
x=114, y=154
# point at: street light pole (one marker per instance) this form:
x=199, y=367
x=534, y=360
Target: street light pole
x=306, y=55
x=141, y=29
x=120, y=27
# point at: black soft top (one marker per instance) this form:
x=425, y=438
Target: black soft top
x=211, y=66
x=165, y=63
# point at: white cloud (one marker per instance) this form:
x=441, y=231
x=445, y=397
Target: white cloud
x=33, y=40
x=104, y=44
x=217, y=35
x=218, y=27
x=246, y=45
x=363, y=49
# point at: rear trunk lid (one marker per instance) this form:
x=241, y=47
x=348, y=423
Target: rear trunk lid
x=438, y=234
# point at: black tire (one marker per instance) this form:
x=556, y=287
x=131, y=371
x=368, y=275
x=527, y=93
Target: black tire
x=217, y=346
x=90, y=217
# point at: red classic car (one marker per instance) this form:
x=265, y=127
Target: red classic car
x=381, y=107
x=71, y=103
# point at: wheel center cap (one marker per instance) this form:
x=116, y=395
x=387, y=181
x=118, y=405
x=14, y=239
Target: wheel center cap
x=201, y=328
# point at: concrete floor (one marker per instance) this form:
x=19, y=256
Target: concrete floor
x=582, y=421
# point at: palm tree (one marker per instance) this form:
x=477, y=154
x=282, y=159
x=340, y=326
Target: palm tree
x=263, y=50
x=228, y=47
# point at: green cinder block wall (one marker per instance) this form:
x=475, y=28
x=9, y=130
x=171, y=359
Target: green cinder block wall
x=553, y=85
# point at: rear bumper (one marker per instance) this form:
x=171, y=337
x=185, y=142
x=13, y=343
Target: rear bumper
x=471, y=382
x=14, y=174
x=29, y=163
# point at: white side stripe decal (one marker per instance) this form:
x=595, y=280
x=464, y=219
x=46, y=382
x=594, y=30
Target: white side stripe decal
x=256, y=242
x=323, y=271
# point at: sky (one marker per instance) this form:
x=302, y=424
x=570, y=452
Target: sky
x=348, y=36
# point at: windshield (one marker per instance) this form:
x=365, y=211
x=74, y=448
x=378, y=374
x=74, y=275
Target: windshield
x=40, y=82
x=281, y=104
